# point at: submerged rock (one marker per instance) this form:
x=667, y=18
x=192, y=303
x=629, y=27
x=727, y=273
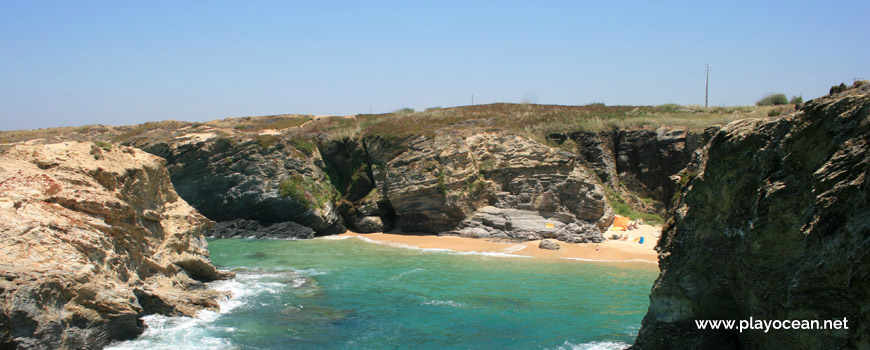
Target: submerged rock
x=772, y=223
x=90, y=244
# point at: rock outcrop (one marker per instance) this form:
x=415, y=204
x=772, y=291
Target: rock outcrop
x=548, y=244
x=92, y=238
x=471, y=184
x=639, y=163
x=267, y=178
x=242, y=228
x=771, y=223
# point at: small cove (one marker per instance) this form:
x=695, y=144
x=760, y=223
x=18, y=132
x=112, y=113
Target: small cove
x=351, y=294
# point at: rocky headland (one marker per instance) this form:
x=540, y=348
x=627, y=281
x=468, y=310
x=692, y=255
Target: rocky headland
x=91, y=239
x=771, y=221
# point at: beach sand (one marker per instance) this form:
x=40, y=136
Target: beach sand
x=608, y=252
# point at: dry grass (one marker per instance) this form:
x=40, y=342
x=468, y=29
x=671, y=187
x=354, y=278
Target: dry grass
x=532, y=120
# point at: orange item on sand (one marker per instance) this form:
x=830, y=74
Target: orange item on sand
x=620, y=221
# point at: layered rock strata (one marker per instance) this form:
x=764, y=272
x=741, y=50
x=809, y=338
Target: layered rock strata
x=638, y=163
x=459, y=183
x=266, y=178
x=242, y=228
x=771, y=223
x=91, y=239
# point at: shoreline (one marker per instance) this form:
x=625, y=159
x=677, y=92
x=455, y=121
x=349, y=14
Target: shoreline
x=609, y=252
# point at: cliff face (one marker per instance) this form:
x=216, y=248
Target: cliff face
x=639, y=162
x=772, y=223
x=91, y=240
x=263, y=178
x=488, y=185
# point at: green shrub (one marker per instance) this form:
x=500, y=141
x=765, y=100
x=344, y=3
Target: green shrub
x=303, y=145
x=670, y=107
x=620, y=207
x=796, y=100
x=266, y=141
x=772, y=100
x=310, y=193
x=836, y=89
x=104, y=145
x=774, y=113
x=442, y=182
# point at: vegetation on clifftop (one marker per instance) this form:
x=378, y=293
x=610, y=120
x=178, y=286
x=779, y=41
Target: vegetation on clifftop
x=310, y=193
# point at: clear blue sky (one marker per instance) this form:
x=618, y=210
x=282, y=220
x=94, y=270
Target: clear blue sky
x=125, y=62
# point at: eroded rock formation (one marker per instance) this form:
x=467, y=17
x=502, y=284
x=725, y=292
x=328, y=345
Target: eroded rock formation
x=92, y=238
x=773, y=223
x=265, y=178
x=471, y=185
x=638, y=163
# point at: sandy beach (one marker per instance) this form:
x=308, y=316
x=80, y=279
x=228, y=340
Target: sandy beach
x=608, y=252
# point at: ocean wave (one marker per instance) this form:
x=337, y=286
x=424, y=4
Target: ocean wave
x=450, y=303
x=311, y=272
x=182, y=333
x=595, y=345
x=175, y=333
x=619, y=261
x=403, y=274
x=333, y=238
x=514, y=248
x=440, y=250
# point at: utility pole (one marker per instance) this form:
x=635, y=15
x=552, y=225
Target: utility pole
x=707, y=88
x=472, y=99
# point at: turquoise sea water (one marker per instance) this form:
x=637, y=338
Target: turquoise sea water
x=351, y=294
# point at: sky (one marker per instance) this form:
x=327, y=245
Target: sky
x=70, y=63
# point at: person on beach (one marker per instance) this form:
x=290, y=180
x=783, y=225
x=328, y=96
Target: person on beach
x=597, y=247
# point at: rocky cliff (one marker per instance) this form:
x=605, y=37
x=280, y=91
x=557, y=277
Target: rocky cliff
x=638, y=163
x=489, y=185
x=772, y=222
x=477, y=171
x=456, y=183
x=91, y=238
x=485, y=185
x=261, y=177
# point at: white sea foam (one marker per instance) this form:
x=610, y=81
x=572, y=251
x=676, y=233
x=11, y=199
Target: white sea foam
x=311, y=272
x=441, y=250
x=514, y=248
x=450, y=303
x=182, y=333
x=595, y=345
x=334, y=237
x=174, y=333
x=403, y=274
x=632, y=330
x=619, y=261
